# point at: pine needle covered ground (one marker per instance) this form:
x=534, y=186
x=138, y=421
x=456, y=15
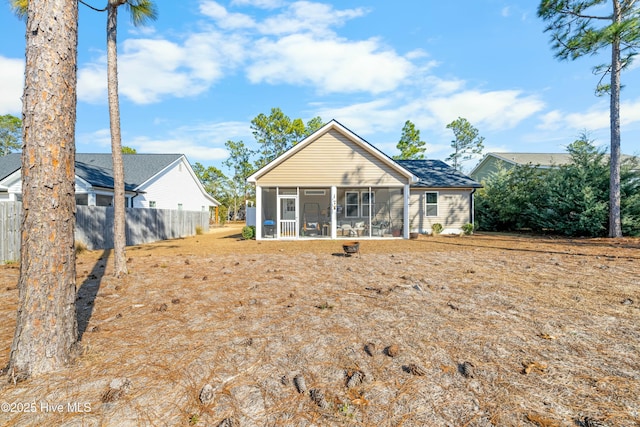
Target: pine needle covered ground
x=487, y=330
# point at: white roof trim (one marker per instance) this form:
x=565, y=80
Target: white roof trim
x=335, y=125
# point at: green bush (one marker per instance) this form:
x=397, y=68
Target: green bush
x=467, y=229
x=436, y=228
x=248, y=232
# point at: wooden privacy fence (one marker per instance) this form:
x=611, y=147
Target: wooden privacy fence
x=94, y=226
x=10, y=214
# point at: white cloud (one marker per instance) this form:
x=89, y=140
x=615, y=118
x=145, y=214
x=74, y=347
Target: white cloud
x=595, y=118
x=224, y=18
x=152, y=69
x=331, y=65
x=94, y=142
x=11, y=85
x=264, y=4
x=308, y=17
x=193, y=150
x=490, y=110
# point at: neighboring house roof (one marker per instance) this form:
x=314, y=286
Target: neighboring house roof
x=97, y=168
x=9, y=164
x=332, y=125
x=437, y=174
x=541, y=160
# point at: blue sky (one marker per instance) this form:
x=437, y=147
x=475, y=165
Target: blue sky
x=197, y=76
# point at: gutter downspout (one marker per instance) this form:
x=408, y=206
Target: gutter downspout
x=472, y=207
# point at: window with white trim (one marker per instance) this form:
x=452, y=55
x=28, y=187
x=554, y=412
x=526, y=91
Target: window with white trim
x=368, y=198
x=352, y=204
x=431, y=203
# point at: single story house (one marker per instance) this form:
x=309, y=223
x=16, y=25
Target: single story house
x=161, y=181
x=492, y=162
x=334, y=184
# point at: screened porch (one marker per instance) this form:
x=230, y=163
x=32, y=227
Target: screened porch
x=331, y=212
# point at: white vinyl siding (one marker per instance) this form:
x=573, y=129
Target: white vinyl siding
x=174, y=188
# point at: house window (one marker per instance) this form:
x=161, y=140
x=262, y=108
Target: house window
x=82, y=199
x=368, y=199
x=152, y=204
x=315, y=192
x=352, y=204
x=431, y=203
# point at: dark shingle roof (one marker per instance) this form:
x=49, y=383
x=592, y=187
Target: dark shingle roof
x=97, y=168
x=9, y=164
x=437, y=174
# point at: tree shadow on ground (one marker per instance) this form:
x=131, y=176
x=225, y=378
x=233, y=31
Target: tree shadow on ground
x=86, y=295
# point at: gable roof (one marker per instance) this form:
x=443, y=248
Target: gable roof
x=332, y=125
x=540, y=160
x=97, y=168
x=437, y=174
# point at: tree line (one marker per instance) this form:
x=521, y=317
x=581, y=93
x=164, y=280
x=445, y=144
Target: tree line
x=571, y=199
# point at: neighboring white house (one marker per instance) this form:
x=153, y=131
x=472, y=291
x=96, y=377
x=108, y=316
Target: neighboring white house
x=160, y=181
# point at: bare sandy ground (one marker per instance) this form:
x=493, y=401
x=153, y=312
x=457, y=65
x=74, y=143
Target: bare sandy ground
x=487, y=330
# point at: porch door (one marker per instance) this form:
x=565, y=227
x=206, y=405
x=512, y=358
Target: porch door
x=288, y=216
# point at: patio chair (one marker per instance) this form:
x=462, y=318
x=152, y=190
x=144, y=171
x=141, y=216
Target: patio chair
x=347, y=230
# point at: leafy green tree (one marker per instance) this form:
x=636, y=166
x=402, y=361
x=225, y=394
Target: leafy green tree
x=10, y=134
x=586, y=27
x=46, y=327
x=410, y=145
x=239, y=162
x=570, y=199
x=578, y=192
x=128, y=150
x=512, y=199
x=466, y=144
x=213, y=180
x=276, y=133
x=217, y=184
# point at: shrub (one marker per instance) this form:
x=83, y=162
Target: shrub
x=199, y=230
x=436, y=228
x=248, y=232
x=467, y=229
x=80, y=247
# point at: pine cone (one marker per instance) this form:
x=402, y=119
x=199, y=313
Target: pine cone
x=206, y=394
x=466, y=369
x=317, y=396
x=392, y=351
x=370, y=349
x=228, y=422
x=414, y=369
x=300, y=384
x=355, y=379
x=592, y=422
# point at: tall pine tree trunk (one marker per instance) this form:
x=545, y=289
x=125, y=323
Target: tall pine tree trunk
x=615, y=224
x=119, y=211
x=46, y=328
